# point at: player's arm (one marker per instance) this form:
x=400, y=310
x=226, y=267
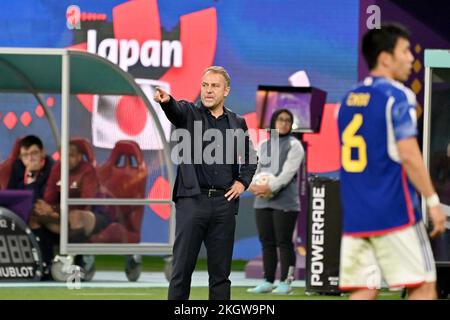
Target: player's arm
x=404, y=121
x=174, y=110
x=414, y=166
x=43, y=209
x=49, y=205
x=417, y=173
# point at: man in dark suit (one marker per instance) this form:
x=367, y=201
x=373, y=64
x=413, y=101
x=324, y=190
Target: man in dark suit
x=207, y=192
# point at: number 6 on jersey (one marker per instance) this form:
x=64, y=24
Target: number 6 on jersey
x=351, y=140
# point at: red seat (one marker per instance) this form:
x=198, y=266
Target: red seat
x=123, y=175
x=85, y=148
x=6, y=166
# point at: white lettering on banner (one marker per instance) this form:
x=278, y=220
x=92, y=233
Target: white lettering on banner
x=127, y=53
x=16, y=272
x=318, y=207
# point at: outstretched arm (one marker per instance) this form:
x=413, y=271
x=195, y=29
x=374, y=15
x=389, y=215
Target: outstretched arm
x=174, y=110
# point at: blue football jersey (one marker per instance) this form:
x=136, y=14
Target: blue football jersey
x=376, y=195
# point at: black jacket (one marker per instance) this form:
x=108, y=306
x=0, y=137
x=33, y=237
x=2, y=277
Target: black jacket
x=16, y=181
x=182, y=114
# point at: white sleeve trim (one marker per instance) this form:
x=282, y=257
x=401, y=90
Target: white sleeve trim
x=391, y=143
x=410, y=96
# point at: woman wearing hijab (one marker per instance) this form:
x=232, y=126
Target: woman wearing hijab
x=277, y=203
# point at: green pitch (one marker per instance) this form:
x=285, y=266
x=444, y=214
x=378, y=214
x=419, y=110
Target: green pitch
x=153, y=264
x=237, y=293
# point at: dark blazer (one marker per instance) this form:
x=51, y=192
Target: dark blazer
x=16, y=180
x=182, y=114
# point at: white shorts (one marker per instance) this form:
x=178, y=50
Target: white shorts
x=402, y=258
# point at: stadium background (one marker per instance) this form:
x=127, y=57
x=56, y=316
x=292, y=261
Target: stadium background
x=259, y=42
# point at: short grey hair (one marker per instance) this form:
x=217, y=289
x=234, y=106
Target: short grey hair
x=220, y=70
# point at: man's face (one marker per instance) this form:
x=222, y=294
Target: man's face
x=32, y=157
x=214, y=90
x=75, y=157
x=401, y=62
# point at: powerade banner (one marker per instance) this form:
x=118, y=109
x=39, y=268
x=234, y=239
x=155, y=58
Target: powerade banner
x=169, y=43
x=324, y=236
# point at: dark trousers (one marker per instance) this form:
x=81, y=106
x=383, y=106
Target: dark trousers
x=212, y=221
x=275, y=230
x=47, y=242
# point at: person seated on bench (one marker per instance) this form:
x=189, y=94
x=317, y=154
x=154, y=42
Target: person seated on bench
x=83, y=220
x=83, y=183
x=31, y=172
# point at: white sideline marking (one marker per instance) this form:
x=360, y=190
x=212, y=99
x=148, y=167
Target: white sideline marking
x=112, y=294
x=117, y=279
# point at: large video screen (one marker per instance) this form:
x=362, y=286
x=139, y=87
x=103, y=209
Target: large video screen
x=267, y=102
x=305, y=103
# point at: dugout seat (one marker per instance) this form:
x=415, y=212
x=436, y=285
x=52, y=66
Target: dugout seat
x=6, y=166
x=123, y=175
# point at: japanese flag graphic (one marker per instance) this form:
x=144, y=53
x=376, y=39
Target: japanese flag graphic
x=117, y=118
